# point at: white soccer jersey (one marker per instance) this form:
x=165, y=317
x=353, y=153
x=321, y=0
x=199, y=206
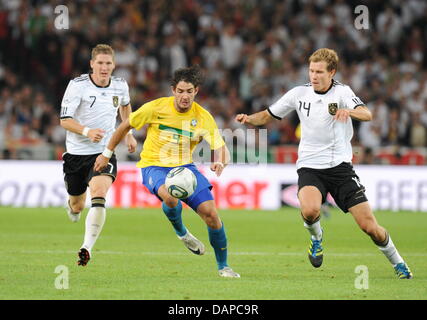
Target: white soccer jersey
x=325, y=142
x=94, y=107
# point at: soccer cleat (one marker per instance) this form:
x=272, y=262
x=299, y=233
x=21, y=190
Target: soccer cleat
x=192, y=243
x=402, y=271
x=325, y=211
x=315, y=253
x=227, y=272
x=74, y=217
x=84, y=257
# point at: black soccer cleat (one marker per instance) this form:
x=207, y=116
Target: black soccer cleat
x=84, y=257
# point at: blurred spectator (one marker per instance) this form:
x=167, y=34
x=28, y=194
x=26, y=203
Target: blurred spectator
x=251, y=52
x=231, y=44
x=368, y=157
x=418, y=132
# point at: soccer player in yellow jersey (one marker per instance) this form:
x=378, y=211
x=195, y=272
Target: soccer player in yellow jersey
x=176, y=125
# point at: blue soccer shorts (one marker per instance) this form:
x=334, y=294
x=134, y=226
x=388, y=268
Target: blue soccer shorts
x=154, y=177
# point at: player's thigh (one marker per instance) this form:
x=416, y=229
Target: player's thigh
x=310, y=199
x=75, y=184
x=166, y=197
x=99, y=185
x=101, y=181
x=75, y=175
x=153, y=178
x=345, y=187
x=311, y=192
x=110, y=170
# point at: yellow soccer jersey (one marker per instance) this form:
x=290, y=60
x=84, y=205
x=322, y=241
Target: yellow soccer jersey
x=171, y=135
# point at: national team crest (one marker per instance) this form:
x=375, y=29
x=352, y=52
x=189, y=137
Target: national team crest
x=193, y=122
x=332, y=108
x=115, y=101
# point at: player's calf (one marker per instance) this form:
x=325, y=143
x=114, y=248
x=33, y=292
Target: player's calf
x=73, y=212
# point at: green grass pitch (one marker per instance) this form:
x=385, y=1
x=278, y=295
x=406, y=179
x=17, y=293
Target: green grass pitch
x=138, y=256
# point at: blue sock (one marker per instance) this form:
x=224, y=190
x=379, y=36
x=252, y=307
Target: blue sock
x=218, y=241
x=174, y=216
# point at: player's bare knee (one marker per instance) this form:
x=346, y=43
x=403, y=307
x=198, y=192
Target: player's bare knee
x=370, y=229
x=98, y=191
x=310, y=213
x=212, y=220
x=171, y=202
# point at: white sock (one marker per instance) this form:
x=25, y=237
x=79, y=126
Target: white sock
x=315, y=230
x=391, y=252
x=94, y=222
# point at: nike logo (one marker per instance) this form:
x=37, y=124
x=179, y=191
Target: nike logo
x=160, y=118
x=195, y=251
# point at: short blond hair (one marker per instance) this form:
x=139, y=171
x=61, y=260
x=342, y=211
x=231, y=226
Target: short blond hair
x=325, y=54
x=102, y=49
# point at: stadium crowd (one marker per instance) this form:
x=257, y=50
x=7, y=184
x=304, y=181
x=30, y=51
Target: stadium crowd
x=252, y=51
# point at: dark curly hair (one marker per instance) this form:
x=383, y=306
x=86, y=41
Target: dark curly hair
x=191, y=75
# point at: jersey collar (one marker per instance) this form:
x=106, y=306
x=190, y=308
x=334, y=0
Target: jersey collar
x=91, y=80
x=325, y=92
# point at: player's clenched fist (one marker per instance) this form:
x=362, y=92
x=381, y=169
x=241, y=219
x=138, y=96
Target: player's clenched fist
x=217, y=167
x=95, y=135
x=100, y=163
x=342, y=115
x=242, y=118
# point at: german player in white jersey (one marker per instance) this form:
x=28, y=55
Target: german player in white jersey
x=88, y=112
x=325, y=108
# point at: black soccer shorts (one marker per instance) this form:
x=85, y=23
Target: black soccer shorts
x=341, y=182
x=78, y=171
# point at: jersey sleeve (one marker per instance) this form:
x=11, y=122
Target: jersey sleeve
x=71, y=100
x=350, y=100
x=142, y=116
x=283, y=106
x=212, y=134
x=125, y=97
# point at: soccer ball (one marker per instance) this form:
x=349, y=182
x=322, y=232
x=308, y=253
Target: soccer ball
x=181, y=182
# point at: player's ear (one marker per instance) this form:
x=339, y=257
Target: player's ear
x=91, y=63
x=196, y=90
x=333, y=72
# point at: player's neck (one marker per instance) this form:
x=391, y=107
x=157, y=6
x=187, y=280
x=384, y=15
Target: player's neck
x=98, y=82
x=325, y=89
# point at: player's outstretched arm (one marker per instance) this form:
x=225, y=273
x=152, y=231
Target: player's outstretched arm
x=103, y=159
x=256, y=119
